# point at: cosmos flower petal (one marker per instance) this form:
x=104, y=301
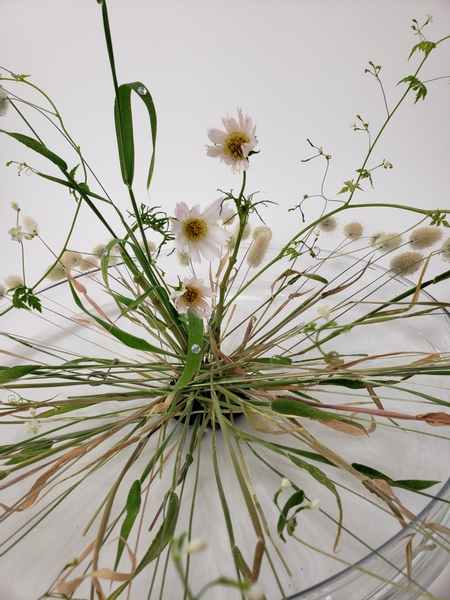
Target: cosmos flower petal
x=191, y=297
x=216, y=136
x=197, y=232
x=235, y=144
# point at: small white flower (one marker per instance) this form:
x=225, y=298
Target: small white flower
x=255, y=592
x=4, y=102
x=197, y=232
x=32, y=411
x=314, y=505
x=15, y=233
x=33, y=425
x=15, y=206
x=196, y=545
x=191, y=296
x=353, y=125
x=285, y=483
x=429, y=18
x=234, y=144
x=324, y=312
x=386, y=164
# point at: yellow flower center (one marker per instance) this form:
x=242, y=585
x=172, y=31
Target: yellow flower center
x=233, y=144
x=191, y=296
x=195, y=229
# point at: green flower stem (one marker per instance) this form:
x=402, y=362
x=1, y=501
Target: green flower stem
x=220, y=307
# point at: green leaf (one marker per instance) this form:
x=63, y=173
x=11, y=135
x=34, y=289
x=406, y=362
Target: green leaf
x=325, y=481
x=298, y=409
x=274, y=360
x=356, y=384
x=13, y=373
x=165, y=532
x=416, y=85
x=193, y=360
x=81, y=185
x=24, y=297
x=160, y=541
x=32, y=449
x=295, y=500
x=37, y=147
x=126, y=338
x=133, y=506
x=408, y=484
x=124, y=128
x=350, y=186
x=65, y=408
x=424, y=46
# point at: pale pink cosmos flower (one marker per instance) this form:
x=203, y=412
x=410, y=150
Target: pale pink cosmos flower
x=197, y=232
x=192, y=296
x=234, y=144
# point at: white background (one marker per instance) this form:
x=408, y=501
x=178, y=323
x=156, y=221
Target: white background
x=296, y=66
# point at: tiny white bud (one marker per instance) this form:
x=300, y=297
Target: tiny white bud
x=254, y=592
x=195, y=545
x=314, y=505
x=324, y=312
x=285, y=483
x=15, y=206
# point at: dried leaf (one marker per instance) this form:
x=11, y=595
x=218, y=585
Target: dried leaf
x=344, y=427
x=69, y=587
x=408, y=552
x=437, y=419
x=439, y=528
x=81, y=288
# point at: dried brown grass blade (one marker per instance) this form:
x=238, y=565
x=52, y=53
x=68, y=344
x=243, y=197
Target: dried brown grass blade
x=437, y=419
x=37, y=487
x=82, y=290
x=346, y=428
x=69, y=587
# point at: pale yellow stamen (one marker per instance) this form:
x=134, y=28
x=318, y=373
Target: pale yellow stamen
x=191, y=296
x=195, y=229
x=233, y=144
